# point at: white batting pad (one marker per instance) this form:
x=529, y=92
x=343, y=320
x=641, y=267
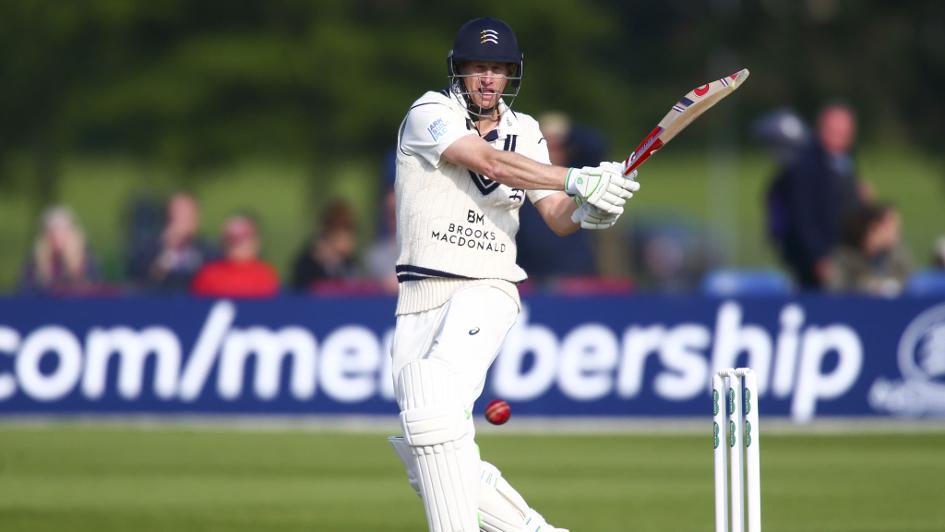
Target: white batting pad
x=503, y=509
x=499, y=511
x=435, y=429
x=407, y=458
x=536, y=522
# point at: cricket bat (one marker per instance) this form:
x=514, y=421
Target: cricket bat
x=687, y=109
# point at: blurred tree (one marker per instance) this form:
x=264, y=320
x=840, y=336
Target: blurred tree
x=189, y=84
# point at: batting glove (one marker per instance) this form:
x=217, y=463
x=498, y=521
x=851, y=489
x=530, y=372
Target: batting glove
x=618, y=167
x=602, y=186
x=590, y=217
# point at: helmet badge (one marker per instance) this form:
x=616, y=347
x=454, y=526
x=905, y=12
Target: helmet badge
x=489, y=36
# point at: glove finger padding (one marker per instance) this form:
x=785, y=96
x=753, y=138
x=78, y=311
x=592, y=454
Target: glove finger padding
x=595, y=226
x=620, y=191
x=599, y=222
x=608, y=197
x=613, y=166
x=594, y=212
x=590, y=217
x=608, y=207
x=615, y=198
x=627, y=184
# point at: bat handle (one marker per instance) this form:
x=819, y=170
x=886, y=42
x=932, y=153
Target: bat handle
x=634, y=161
x=629, y=164
x=640, y=156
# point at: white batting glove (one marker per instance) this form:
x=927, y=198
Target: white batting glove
x=602, y=186
x=632, y=185
x=590, y=217
x=618, y=167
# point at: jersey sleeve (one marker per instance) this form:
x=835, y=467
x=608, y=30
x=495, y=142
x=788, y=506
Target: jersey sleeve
x=429, y=129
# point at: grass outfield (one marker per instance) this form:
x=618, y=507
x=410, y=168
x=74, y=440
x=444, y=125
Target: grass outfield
x=98, y=478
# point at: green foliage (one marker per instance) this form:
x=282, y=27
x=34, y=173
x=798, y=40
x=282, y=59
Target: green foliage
x=192, y=83
x=186, y=91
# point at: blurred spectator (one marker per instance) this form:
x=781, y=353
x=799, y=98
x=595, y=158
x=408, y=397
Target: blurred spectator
x=938, y=254
x=380, y=258
x=783, y=133
x=539, y=249
x=785, y=136
x=329, y=255
x=870, y=258
x=170, y=260
x=61, y=262
x=819, y=186
x=671, y=254
x=240, y=273
x=142, y=224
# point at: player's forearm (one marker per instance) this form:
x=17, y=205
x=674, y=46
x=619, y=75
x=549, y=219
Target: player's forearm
x=556, y=211
x=506, y=167
x=517, y=171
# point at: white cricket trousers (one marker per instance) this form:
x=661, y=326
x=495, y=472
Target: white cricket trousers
x=465, y=333
x=447, y=353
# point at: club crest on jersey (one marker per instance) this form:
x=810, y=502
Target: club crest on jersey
x=488, y=37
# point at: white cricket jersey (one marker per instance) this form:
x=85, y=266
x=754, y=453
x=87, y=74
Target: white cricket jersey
x=454, y=226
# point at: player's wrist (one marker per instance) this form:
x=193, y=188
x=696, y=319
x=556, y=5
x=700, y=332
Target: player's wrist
x=570, y=181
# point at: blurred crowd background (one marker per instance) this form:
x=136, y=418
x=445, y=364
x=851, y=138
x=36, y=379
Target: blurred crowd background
x=244, y=148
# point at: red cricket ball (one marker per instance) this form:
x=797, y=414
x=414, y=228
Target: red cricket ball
x=498, y=412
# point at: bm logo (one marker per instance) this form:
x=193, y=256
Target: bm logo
x=474, y=217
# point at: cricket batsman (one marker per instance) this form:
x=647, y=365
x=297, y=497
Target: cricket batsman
x=465, y=164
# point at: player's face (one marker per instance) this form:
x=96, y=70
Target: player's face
x=486, y=81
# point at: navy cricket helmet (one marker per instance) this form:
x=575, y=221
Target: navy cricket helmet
x=485, y=39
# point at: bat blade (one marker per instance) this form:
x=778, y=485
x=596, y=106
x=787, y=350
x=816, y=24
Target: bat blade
x=687, y=109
